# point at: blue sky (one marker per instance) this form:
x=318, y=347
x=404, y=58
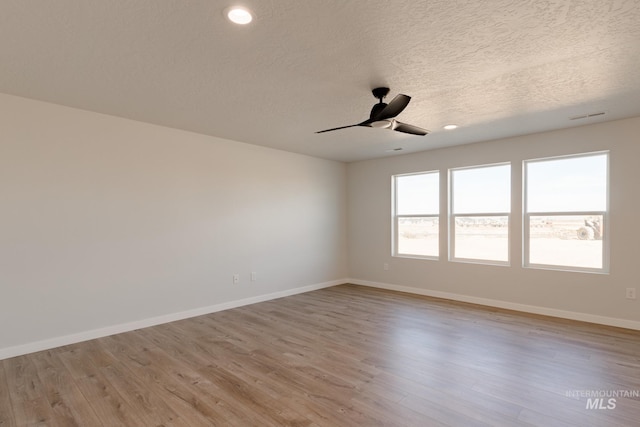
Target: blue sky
x=569, y=184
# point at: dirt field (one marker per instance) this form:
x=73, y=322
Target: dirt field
x=554, y=241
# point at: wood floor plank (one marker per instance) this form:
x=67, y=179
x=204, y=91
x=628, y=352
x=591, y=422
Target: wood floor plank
x=341, y=356
x=253, y=399
x=149, y=407
x=69, y=405
x=174, y=382
x=78, y=360
x=28, y=397
x=110, y=407
x=7, y=418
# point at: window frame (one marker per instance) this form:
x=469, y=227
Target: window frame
x=396, y=217
x=526, y=218
x=452, y=216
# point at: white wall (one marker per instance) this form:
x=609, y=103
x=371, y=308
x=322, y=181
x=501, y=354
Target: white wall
x=595, y=297
x=107, y=221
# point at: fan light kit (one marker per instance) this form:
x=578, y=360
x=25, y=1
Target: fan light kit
x=382, y=115
x=239, y=15
x=450, y=127
x=381, y=124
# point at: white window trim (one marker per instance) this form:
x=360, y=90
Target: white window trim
x=452, y=219
x=395, y=226
x=526, y=220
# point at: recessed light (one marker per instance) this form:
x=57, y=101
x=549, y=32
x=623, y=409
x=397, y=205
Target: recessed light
x=239, y=15
x=450, y=127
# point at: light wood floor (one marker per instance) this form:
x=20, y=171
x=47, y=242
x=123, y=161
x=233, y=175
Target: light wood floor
x=343, y=356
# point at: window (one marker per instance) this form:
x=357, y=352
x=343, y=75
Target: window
x=565, y=212
x=480, y=207
x=416, y=210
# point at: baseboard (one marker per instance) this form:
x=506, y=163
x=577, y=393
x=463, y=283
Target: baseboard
x=47, y=344
x=545, y=311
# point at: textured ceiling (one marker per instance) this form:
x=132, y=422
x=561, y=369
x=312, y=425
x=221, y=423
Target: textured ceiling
x=497, y=68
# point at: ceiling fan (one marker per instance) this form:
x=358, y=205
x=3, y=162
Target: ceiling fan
x=382, y=115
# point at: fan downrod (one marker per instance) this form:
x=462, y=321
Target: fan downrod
x=380, y=92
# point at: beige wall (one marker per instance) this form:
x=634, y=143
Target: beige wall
x=107, y=221
x=592, y=294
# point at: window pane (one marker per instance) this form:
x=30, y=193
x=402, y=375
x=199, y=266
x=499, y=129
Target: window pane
x=418, y=236
x=567, y=185
x=574, y=241
x=417, y=194
x=482, y=190
x=482, y=238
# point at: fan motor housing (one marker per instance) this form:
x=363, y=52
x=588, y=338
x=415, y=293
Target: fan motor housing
x=380, y=92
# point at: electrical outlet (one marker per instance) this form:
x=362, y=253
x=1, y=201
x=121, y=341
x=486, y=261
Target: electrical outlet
x=631, y=293
x=254, y=276
x=236, y=278
x=385, y=266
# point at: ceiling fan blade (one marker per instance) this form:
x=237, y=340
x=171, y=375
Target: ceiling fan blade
x=411, y=129
x=393, y=108
x=341, y=127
